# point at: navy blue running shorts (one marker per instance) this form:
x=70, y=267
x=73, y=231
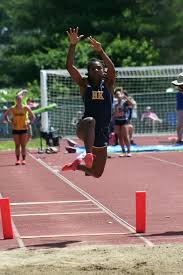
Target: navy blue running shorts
x=19, y=132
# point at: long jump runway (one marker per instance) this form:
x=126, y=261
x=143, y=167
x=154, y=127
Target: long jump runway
x=50, y=210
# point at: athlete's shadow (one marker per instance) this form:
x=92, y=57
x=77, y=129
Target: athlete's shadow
x=168, y=233
x=7, y=165
x=53, y=245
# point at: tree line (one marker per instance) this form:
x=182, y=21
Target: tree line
x=133, y=33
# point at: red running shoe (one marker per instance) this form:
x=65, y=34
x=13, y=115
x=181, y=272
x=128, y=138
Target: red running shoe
x=71, y=166
x=23, y=162
x=88, y=159
x=17, y=162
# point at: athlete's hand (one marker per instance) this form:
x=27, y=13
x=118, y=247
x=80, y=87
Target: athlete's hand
x=73, y=36
x=95, y=44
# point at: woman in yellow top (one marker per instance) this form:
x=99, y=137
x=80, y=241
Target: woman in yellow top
x=20, y=126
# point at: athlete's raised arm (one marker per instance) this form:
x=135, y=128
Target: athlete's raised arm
x=74, y=39
x=111, y=73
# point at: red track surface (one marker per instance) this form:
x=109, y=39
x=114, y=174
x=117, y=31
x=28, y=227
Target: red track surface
x=50, y=209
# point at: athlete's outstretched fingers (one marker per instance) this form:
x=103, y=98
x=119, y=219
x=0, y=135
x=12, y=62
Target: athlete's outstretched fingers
x=77, y=29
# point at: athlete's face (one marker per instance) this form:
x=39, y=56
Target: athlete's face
x=96, y=70
x=18, y=100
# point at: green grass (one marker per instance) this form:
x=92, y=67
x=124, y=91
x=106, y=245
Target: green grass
x=9, y=144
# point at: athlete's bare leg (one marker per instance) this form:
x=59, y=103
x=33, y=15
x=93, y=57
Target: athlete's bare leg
x=23, y=140
x=179, y=132
x=130, y=131
x=125, y=135
x=16, y=139
x=120, y=137
x=98, y=163
x=86, y=132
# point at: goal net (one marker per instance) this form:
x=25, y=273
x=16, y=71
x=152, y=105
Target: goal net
x=150, y=87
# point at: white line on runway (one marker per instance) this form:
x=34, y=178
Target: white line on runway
x=48, y=202
x=74, y=235
x=96, y=202
x=165, y=161
x=62, y=213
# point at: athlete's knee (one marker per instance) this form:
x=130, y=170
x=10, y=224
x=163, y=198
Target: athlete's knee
x=17, y=145
x=84, y=125
x=89, y=121
x=23, y=146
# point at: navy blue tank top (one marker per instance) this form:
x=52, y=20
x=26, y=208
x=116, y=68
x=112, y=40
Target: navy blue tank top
x=98, y=104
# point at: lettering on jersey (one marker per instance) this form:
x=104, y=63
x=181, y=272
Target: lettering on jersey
x=97, y=95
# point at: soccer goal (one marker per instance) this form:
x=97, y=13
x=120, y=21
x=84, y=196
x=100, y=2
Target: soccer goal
x=150, y=87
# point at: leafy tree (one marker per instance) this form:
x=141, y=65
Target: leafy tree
x=134, y=33
x=132, y=52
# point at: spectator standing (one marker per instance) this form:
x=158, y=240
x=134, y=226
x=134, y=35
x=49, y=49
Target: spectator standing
x=17, y=117
x=179, y=107
x=121, y=120
x=132, y=113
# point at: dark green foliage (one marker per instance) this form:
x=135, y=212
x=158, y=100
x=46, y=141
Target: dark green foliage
x=133, y=32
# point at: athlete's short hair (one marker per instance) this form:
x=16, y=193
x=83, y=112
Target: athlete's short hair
x=93, y=61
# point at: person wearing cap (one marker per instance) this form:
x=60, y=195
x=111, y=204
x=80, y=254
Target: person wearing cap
x=179, y=106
